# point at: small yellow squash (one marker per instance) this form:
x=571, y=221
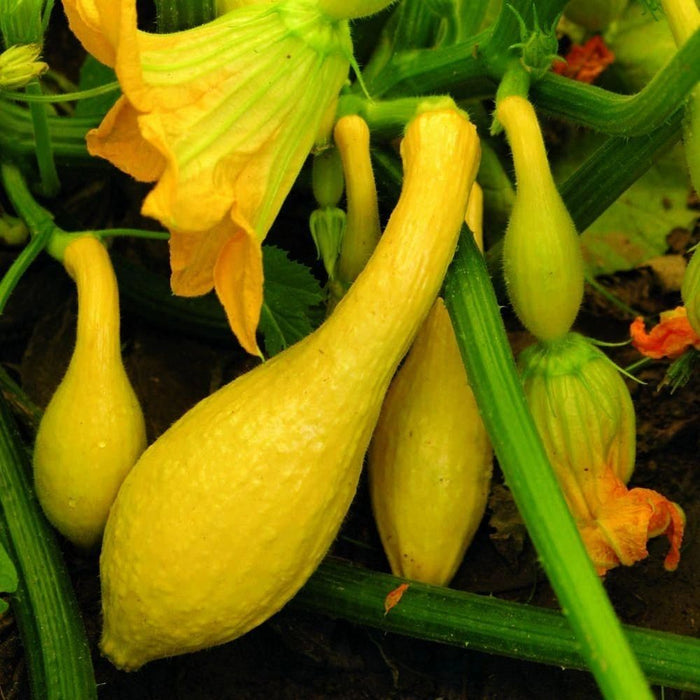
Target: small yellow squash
x=430, y=460
x=229, y=512
x=93, y=430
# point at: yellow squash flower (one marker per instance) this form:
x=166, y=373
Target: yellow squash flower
x=221, y=117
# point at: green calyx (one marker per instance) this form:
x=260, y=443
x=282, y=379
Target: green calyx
x=19, y=65
x=568, y=355
x=582, y=408
x=325, y=34
x=327, y=227
x=537, y=46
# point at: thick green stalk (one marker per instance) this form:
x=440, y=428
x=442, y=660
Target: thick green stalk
x=456, y=69
x=484, y=623
x=47, y=614
x=50, y=184
x=416, y=26
x=613, y=167
x=464, y=71
x=481, y=336
x=623, y=115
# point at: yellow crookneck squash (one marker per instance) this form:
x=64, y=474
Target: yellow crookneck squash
x=229, y=512
x=430, y=459
x=93, y=430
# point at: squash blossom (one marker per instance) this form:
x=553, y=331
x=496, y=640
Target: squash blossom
x=221, y=117
x=586, y=420
x=670, y=337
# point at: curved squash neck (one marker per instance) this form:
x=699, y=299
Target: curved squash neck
x=532, y=171
x=391, y=297
x=87, y=262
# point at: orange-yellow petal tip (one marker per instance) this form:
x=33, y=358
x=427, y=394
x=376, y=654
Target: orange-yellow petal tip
x=670, y=338
x=238, y=280
x=625, y=520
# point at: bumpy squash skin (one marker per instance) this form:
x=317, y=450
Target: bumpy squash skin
x=93, y=430
x=229, y=512
x=430, y=459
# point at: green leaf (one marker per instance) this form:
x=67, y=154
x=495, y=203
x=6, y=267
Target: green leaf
x=291, y=307
x=94, y=74
x=635, y=227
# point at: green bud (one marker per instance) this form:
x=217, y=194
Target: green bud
x=543, y=264
x=19, y=66
x=327, y=180
x=582, y=409
x=13, y=231
x=690, y=291
x=327, y=228
x=538, y=47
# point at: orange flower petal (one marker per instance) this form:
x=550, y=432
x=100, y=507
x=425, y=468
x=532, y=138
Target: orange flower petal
x=585, y=62
x=238, y=280
x=623, y=522
x=193, y=256
x=119, y=140
x=670, y=338
x=394, y=597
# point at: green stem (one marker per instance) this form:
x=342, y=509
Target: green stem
x=20, y=265
x=67, y=135
x=47, y=614
x=623, y=115
x=416, y=26
x=38, y=221
x=50, y=183
x=484, y=623
x=62, y=97
x=456, y=69
x=482, y=339
x=385, y=118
